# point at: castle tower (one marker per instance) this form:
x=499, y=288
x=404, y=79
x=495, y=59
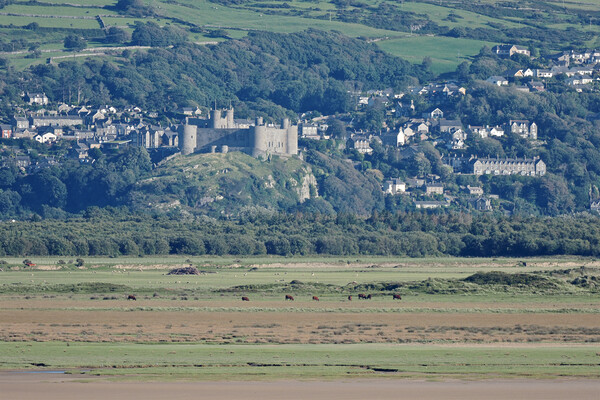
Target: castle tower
x=215, y=119
x=260, y=144
x=292, y=140
x=187, y=138
x=229, y=117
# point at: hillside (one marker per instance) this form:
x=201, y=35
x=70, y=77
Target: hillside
x=226, y=184
x=448, y=32
x=234, y=184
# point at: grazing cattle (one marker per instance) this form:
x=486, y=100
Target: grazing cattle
x=362, y=296
x=350, y=298
x=288, y=297
x=315, y=298
x=397, y=297
x=131, y=297
x=368, y=297
x=245, y=298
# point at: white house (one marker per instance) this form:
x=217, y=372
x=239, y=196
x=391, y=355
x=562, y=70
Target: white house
x=497, y=80
x=394, y=186
x=45, y=137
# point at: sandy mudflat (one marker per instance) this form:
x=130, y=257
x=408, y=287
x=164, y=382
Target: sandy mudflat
x=23, y=386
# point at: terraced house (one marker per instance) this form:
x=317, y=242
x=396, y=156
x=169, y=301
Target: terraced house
x=508, y=166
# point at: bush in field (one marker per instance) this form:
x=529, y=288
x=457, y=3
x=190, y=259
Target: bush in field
x=75, y=42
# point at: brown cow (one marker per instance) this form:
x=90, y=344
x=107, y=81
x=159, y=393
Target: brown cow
x=368, y=297
x=245, y=298
x=362, y=296
x=315, y=298
x=131, y=297
x=350, y=298
x=289, y=297
x=397, y=297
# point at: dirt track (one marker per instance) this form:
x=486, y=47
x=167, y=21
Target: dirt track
x=60, y=387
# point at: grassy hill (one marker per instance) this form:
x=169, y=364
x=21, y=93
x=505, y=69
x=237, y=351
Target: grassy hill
x=412, y=30
x=235, y=183
x=226, y=184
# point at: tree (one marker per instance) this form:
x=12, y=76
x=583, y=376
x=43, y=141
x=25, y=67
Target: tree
x=79, y=262
x=116, y=35
x=336, y=128
x=136, y=8
x=75, y=42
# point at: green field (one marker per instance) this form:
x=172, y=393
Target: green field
x=243, y=362
x=442, y=328
x=50, y=22
x=55, y=10
x=445, y=53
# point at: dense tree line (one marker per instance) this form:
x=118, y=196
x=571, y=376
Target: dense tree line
x=114, y=232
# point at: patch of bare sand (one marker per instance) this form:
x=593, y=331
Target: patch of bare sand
x=42, y=386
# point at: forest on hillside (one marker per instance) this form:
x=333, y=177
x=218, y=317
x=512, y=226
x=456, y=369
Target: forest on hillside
x=265, y=73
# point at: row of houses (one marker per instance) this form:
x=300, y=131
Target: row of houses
x=475, y=195
x=496, y=166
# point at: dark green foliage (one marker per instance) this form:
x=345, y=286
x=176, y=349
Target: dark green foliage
x=116, y=35
x=135, y=8
x=113, y=232
x=150, y=34
x=75, y=42
x=346, y=189
x=503, y=278
x=300, y=71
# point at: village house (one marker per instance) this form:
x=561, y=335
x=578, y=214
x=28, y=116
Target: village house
x=457, y=139
x=415, y=182
x=308, y=131
x=434, y=188
x=45, y=137
x=543, y=73
x=394, y=186
x=475, y=190
x=361, y=143
x=431, y=204
x=449, y=125
x=579, y=80
x=6, y=131
x=536, y=86
x=519, y=73
x=20, y=122
x=79, y=151
x=189, y=111
x=508, y=50
x=524, y=129
x=434, y=114
x=20, y=161
x=481, y=203
x=36, y=98
x=497, y=80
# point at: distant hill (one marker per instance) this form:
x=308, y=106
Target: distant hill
x=448, y=32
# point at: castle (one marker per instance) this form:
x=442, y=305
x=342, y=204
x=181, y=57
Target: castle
x=223, y=133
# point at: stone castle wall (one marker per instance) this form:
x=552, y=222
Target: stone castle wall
x=222, y=133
